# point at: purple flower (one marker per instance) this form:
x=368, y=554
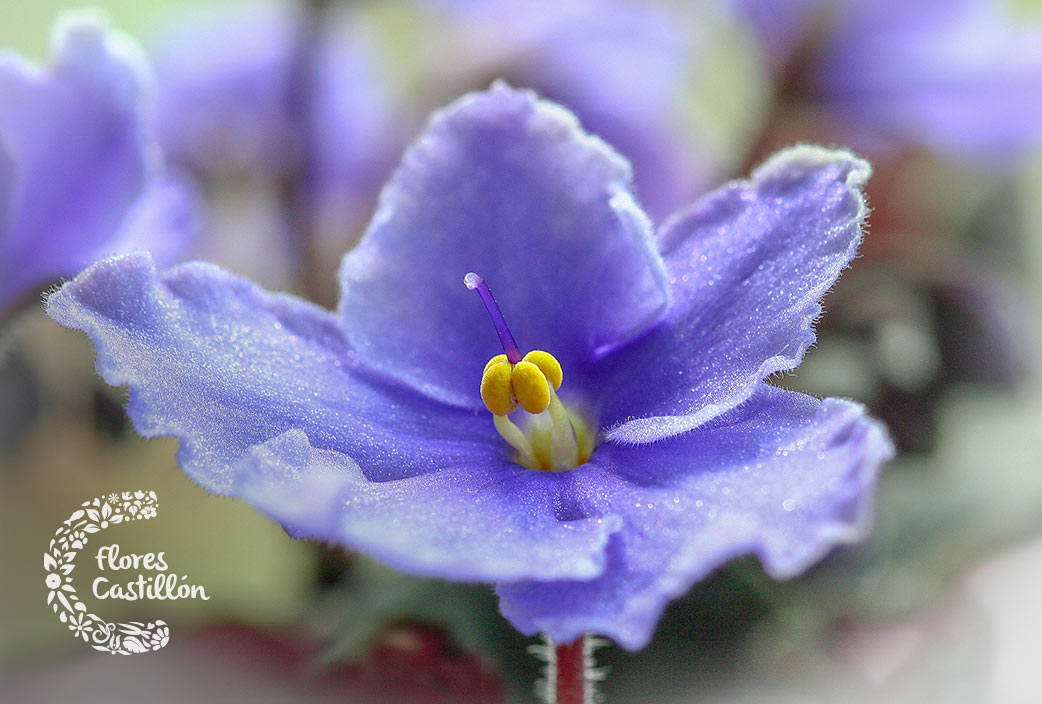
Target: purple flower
x=299, y=106
x=80, y=173
x=626, y=69
x=228, y=92
x=962, y=77
x=366, y=426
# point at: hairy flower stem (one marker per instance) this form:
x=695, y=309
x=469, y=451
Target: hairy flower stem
x=571, y=682
x=298, y=187
x=569, y=676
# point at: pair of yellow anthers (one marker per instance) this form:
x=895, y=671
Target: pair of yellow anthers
x=532, y=385
x=554, y=441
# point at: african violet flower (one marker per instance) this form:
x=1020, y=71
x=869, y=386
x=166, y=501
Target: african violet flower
x=960, y=76
x=366, y=426
x=80, y=172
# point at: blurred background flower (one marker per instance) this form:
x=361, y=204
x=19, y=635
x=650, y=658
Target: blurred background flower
x=104, y=190
x=290, y=115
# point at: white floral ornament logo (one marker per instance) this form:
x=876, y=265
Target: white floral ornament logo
x=71, y=537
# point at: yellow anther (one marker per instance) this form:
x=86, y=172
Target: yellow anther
x=530, y=387
x=495, y=360
x=554, y=441
x=547, y=364
x=504, y=386
x=495, y=387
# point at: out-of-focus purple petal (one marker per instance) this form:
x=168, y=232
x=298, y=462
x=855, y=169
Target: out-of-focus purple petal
x=169, y=213
x=625, y=68
x=509, y=187
x=748, y=266
x=622, y=68
x=223, y=86
x=479, y=517
x=79, y=155
x=964, y=77
x=358, y=140
x=75, y=134
x=784, y=477
x=7, y=185
x=780, y=24
x=212, y=359
x=227, y=94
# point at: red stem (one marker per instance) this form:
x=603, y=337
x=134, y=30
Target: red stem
x=571, y=672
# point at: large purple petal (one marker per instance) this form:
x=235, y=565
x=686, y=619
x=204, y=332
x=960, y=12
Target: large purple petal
x=479, y=517
x=80, y=154
x=623, y=67
x=784, y=477
x=963, y=76
x=269, y=403
x=214, y=360
x=747, y=266
x=510, y=187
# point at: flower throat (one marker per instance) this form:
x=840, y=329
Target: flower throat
x=554, y=438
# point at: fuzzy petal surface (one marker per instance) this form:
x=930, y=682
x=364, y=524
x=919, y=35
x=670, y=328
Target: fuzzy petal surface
x=783, y=476
x=224, y=366
x=478, y=517
x=748, y=265
x=270, y=403
x=508, y=186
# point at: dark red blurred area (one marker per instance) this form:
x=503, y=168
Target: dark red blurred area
x=408, y=664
